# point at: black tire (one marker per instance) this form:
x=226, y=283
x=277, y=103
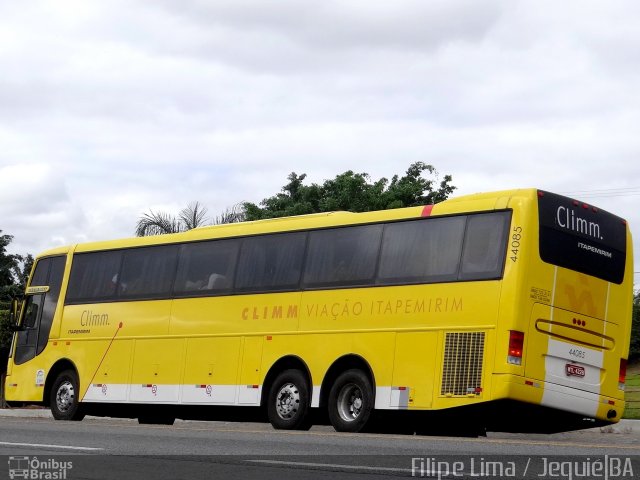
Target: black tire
x=350, y=401
x=288, y=401
x=64, y=398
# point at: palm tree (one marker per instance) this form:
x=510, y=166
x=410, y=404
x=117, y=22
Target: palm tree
x=193, y=216
x=233, y=214
x=158, y=223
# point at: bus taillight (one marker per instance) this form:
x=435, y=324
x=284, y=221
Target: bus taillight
x=623, y=373
x=516, y=345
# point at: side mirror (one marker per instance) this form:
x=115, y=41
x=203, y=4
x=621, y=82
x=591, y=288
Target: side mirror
x=14, y=315
x=24, y=311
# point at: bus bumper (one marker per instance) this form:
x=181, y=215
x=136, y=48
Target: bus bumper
x=14, y=392
x=558, y=397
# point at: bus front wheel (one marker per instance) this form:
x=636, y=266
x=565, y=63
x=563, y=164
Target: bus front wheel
x=64, y=398
x=350, y=401
x=288, y=402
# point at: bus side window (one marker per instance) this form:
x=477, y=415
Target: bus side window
x=148, y=272
x=271, y=262
x=342, y=256
x=425, y=250
x=206, y=268
x=93, y=276
x=484, y=246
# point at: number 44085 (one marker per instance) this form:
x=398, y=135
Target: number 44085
x=516, y=237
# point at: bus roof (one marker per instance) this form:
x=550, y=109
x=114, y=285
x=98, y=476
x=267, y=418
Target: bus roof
x=300, y=222
x=473, y=202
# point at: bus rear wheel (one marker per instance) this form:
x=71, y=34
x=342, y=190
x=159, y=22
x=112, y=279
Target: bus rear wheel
x=64, y=398
x=350, y=401
x=288, y=401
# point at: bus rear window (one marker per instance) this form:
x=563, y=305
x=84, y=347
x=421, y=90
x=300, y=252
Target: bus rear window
x=581, y=237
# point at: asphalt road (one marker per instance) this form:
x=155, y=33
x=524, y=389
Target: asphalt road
x=113, y=448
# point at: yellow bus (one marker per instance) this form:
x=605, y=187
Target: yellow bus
x=522, y=296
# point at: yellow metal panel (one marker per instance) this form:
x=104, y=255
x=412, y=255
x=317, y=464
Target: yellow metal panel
x=124, y=319
x=157, y=361
x=251, y=361
x=212, y=360
x=234, y=315
x=415, y=366
x=580, y=293
x=116, y=366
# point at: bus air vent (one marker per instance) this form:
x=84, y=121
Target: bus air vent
x=462, y=365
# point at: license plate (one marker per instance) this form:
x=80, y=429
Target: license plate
x=574, y=370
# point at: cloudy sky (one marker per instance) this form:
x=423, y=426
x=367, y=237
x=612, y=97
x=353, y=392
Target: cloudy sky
x=111, y=108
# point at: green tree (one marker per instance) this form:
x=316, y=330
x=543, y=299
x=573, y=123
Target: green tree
x=193, y=216
x=5, y=335
x=232, y=214
x=158, y=223
x=354, y=192
x=14, y=271
x=8, y=265
x=348, y=191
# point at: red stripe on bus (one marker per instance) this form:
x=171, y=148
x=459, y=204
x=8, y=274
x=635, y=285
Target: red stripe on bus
x=426, y=211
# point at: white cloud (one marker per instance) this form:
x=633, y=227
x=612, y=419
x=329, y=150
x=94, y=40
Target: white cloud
x=108, y=109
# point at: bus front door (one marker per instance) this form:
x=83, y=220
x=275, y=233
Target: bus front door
x=39, y=309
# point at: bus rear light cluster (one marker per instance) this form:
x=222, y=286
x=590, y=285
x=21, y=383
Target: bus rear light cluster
x=516, y=345
x=623, y=373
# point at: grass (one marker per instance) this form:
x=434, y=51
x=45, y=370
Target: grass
x=632, y=392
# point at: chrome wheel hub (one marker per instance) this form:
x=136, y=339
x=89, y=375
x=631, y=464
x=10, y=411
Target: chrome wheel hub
x=65, y=396
x=350, y=402
x=287, y=401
